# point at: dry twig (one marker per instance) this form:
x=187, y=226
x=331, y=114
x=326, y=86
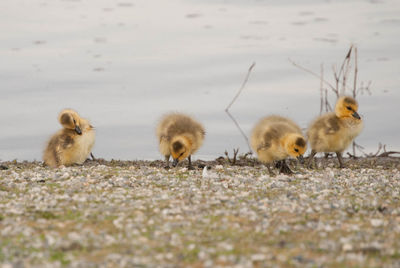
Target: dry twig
x=386, y=153
x=234, y=99
x=345, y=68
x=235, y=153
x=355, y=72
x=311, y=72
x=378, y=152
x=246, y=155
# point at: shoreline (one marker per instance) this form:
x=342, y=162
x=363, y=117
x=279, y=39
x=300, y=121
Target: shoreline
x=243, y=161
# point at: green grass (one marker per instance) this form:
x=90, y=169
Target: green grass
x=4, y=188
x=38, y=214
x=190, y=255
x=59, y=256
x=71, y=215
x=2, y=256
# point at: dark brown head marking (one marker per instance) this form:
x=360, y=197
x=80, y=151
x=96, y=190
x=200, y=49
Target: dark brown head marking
x=176, y=146
x=300, y=142
x=349, y=100
x=65, y=119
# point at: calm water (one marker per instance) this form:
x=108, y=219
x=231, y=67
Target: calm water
x=122, y=64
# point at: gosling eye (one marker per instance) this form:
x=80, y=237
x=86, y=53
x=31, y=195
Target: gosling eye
x=349, y=108
x=296, y=150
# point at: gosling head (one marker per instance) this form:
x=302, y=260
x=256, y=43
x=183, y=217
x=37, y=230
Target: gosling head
x=70, y=119
x=295, y=145
x=346, y=107
x=180, y=149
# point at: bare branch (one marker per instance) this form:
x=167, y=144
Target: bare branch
x=241, y=88
x=387, y=154
x=328, y=107
x=346, y=59
x=378, y=151
x=234, y=99
x=351, y=155
x=384, y=153
x=337, y=79
x=227, y=156
x=235, y=153
x=246, y=154
x=240, y=129
x=312, y=73
x=355, y=72
x=344, y=69
x=345, y=75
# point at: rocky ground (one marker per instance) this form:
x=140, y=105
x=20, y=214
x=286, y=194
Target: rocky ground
x=138, y=214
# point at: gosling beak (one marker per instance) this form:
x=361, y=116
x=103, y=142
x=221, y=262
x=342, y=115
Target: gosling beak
x=78, y=130
x=175, y=162
x=356, y=115
x=300, y=158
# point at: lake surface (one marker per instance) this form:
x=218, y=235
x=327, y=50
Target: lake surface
x=122, y=64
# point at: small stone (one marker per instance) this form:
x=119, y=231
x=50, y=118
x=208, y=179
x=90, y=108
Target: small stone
x=347, y=247
x=258, y=257
x=303, y=196
x=204, y=173
x=376, y=222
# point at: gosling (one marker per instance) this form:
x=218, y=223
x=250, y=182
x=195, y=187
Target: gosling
x=274, y=138
x=333, y=132
x=179, y=136
x=72, y=144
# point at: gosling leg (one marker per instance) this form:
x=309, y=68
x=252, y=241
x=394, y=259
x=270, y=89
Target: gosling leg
x=190, y=167
x=285, y=169
x=167, y=162
x=278, y=164
x=311, y=158
x=272, y=174
x=339, y=157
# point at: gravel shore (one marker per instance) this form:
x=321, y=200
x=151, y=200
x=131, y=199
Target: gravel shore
x=138, y=214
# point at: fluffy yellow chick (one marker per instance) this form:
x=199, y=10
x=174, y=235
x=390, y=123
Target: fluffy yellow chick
x=274, y=138
x=72, y=144
x=179, y=136
x=333, y=132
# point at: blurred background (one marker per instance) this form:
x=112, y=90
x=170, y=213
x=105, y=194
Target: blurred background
x=122, y=64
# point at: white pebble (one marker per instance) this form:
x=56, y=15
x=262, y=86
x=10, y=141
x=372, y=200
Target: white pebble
x=376, y=222
x=347, y=247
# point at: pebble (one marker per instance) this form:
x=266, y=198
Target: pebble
x=376, y=222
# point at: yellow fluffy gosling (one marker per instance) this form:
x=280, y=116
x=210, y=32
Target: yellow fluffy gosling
x=274, y=138
x=333, y=132
x=179, y=136
x=72, y=144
